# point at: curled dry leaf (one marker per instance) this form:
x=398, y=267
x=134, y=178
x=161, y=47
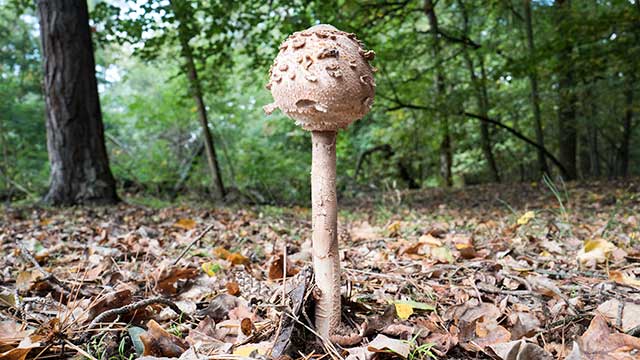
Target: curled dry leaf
x=158, y=342
x=382, y=343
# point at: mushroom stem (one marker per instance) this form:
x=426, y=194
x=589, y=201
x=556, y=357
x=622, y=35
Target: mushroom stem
x=324, y=203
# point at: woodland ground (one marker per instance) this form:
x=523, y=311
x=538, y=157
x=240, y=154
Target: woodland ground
x=446, y=274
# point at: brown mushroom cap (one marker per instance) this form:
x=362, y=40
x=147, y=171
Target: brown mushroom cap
x=322, y=79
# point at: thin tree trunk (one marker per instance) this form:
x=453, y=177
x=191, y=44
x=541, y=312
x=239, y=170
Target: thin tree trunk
x=567, y=127
x=533, y=83
x=218, y=188
x=446, y=153
x=80, y=172
x=324, y=205
x=482, y=100
x=627, y=127
x=592, y=135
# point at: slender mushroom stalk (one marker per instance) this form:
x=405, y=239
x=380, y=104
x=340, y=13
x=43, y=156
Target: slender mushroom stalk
x=324, y=214
x=322, y=79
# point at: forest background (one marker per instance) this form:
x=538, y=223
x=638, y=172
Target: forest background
x=467, y=92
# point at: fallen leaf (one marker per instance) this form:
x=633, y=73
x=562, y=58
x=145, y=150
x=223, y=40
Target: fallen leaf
x=403, y=311
x=168, y=284
x=246, y=326
x=526, y=217
x=26, y=279
x=520, y=350
x=595, y=251
x=158, y=342
x=232, y=288
x=630, y=313
x=382, y=343
x=220, y=306
x=211, y=268
x=600, y=342
x=276, y=268
x=184, y=223
x=623, y=278
x=248, y=350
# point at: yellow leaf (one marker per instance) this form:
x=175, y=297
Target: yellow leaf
x=210, y=268
x=403, y=310
x=442, y=254
x=186, y=224
x=394, y=228
x=246, y=350
x=528, y=216
x=595, y=251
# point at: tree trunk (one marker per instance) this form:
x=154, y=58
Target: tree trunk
x=482, y=100
x=324, y=205
x=218, y=188
x=446, y=153
x=627, y=127
x=80, y=171
x=567, y=127
x=592, y=135
x=533, y=83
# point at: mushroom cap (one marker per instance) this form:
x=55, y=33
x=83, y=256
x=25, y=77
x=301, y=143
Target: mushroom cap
x=322, y=79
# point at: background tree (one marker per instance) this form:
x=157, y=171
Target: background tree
x=75, y=140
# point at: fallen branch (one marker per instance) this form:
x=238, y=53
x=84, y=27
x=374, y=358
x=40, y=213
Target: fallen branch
x=131, y=307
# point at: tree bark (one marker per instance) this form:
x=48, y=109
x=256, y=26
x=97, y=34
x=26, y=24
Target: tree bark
x=533, y=83
x=80, y=172
x=218, y=188
x=567, y=127
x=446, y=155
x=324, y=204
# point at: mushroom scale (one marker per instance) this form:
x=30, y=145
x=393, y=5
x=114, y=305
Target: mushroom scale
x=322, y=79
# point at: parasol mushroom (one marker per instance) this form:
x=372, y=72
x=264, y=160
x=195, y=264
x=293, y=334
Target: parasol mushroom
x=322, y=79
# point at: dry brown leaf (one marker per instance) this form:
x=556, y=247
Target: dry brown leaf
x=630, y=313
x=184, y=223
x=232, y=288
x=110, y=301
x=600, y=342
x=382, y=343
x=246, y=326
x=168, y=284
x=276, y=267
x=158, y=342
x=15, y=354
x=520, y=350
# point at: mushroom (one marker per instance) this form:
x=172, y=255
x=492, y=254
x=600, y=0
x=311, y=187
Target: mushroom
x=324, y=82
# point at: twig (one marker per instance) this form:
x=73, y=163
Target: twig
x=27, y=255
x=195, y=240
x=47, y=275
x=134, y=306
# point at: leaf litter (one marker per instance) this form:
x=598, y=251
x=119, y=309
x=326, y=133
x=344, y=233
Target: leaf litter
x=502, y=272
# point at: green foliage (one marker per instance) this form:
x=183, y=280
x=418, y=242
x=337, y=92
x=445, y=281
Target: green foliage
x=152, y=127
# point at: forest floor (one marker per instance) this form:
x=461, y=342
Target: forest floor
x=520, y=271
